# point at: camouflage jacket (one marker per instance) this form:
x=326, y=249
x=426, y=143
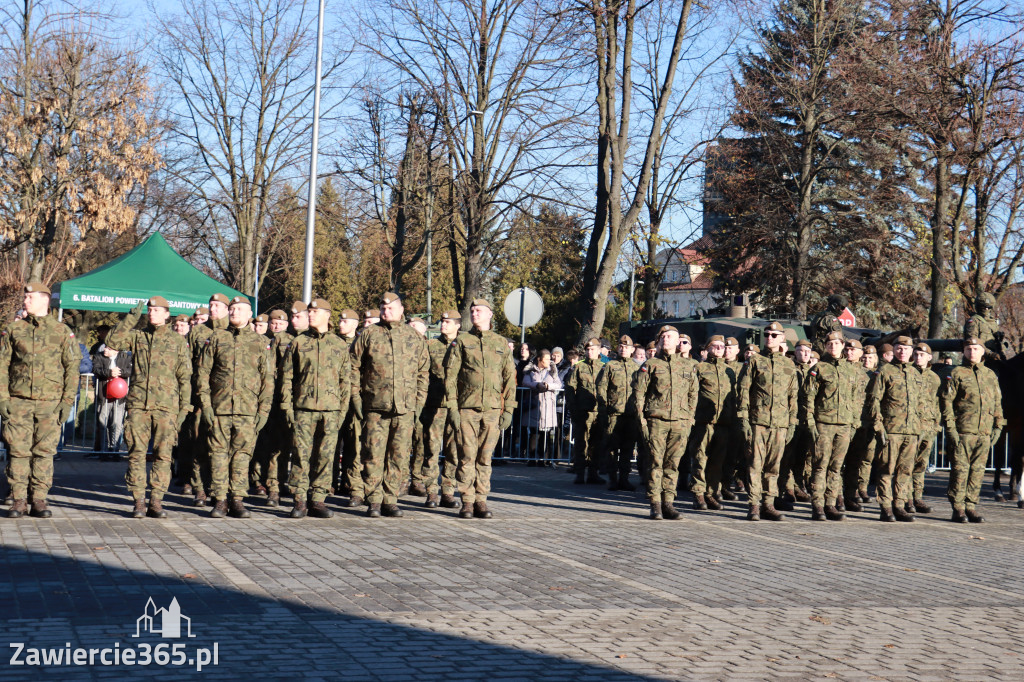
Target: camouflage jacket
x=279, y=346
x=896, y=399
x=983, y=328
x=236, y=373
x=971, y=400
x=197, y=338
x=317, y=375
x=479, y=374
x=615, y=385
x=666, y=387
x=716, y=398
x=768, y=392
x=823, y=324
x=866, y=384
x=581, y=386
x=162, y=365
x=437, y=349
x=834, y=393
x=802, y=373
x=39, y=360
x=393, y=366
x=931, y=386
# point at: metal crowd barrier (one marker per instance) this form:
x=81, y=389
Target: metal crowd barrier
x=552, y=446
x=81, y=433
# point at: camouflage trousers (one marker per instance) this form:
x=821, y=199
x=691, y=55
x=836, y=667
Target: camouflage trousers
x=387, y=439
x=349, y=468
x=438, y=436
x=616, y=447
x=32, y=434
x=924, y=453
x=585, y=434
x=827, y=464
x=232, y=440
x=316, y=434
x=666, y=446
x=450, y=461
x=200, y=440
x=967, y=470
x=764, y=459
x=273, y=451
x=140, y=427
x=707, y=450
x=895, y=464
x=478, y=434
x=860, y=457
x=797, y=461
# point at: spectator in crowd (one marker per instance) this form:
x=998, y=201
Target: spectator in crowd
x=108, y=364
x=542, y=414
x=640, y=355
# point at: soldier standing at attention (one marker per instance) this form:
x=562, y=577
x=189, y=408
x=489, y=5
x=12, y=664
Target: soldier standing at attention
x=715, y=400
x=665, y=395
x=273, y=445
x=39, y=360
x=972, y=411
x=795, y=470
x=261, y=323
x=415, y=484
x=735, y=458
x=833, y=402
x=614, y=390
x=827, y=321
x=895, y=404
x=316, y=384
x=351, y=469
x=930, y=414
x=581, y=400
x=438, y=436
x=392, y=362
x=480, y=393
x=299, y=320
x=767, y=410
x=861, y=454
x=199, y=435
x=158, y=399
x=236, y=386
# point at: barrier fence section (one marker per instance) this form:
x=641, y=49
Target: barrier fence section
x=519, y=443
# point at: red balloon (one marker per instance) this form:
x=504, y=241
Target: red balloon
x=117, y=388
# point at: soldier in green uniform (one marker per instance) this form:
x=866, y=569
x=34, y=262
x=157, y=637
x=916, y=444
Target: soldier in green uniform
x=199, y=436
x=236, y=386
x=895, y=413
x=930, y=413
x=861, y=454
x=827, y=321
x=982, y=325
x=716, y=401
x=316, y=385
x=438, y=436
x=480, y=393
x=795, y=469
x=767, y=409
x=299, y=320
x=614, y=389
x=581, y=402
x=735, y=459
x=274, y=444
x=973, y=414
x=351, y=468
x=832, y=407
x=392, y=362
x=415, y=484
x=664, y=398
x=39, y=360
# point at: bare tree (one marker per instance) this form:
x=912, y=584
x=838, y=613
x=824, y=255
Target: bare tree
x=242, y=72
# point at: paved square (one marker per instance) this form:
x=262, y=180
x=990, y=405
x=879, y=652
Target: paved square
x=567, y=582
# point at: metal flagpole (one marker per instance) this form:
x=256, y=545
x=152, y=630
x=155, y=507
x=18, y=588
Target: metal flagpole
x=307, y=272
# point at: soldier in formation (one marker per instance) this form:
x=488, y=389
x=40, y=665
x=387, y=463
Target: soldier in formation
x=614, y=390
x=581, y=402
x=716, y=402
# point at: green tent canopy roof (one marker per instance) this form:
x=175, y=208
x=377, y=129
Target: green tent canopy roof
x=152, y=268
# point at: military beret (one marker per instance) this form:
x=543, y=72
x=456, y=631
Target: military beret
x=853, y=343
x=481, y=302
x=451, y=315
x=319, y=304
x=870, y=350
x=804, y=343
x=202, y=310
x=814, y=354
x=774, y=326
x=240, y=300
x=753, y=347
x=667, y=328
x=624, y=340
x=262, y=317
x=684, y=337
x=298, y=307
x=372, y=312
x=596, y=343
x=731, y=341
x=220, y=297
x=972, y=341
x=923, y=347
x=904, y=341
x=885, y=348
x=36, y=288
x=181, y=318
x=158, y=302
x=717, y=338
x=389, y=297
x=278, y=315
x=652, y=346
x=836, y=336
x=348, y=314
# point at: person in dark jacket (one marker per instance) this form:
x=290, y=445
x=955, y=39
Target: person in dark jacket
x=107, y=364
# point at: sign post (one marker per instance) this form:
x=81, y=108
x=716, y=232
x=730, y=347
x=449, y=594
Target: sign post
x=523, y=308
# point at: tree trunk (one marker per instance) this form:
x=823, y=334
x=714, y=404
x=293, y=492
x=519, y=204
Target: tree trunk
x=936, y=312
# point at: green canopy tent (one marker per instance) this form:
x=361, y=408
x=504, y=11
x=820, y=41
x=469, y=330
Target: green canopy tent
x=152, y=268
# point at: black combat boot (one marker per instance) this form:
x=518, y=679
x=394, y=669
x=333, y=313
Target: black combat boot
x=273, y=498
x=319, y=510
x=833, y=514
x=299, y=508
x=373, y=511
x=417, y=489
x=959, y=516
x=431, y=501
x=817, y=513
x=139, y=511
x=974, y=517
x=481, y=511
x=449, y=502
x=921, y=507
x=667, y=510
x=156, y=509
x=391, y=510
x=220, y=509
x=656, y=511
x=355, y=501
x=699, y=504
x=466, y=512
x=769, y=512
x=237, y=509
x=39, y=510
x=18, y=509
x=900, y=512
x=711, y=502
x=200, y=498
x=782, y=504
x=753, y=513
x=886, y=515
x=841, y=503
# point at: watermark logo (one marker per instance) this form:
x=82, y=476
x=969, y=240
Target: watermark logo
x=168, y=623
